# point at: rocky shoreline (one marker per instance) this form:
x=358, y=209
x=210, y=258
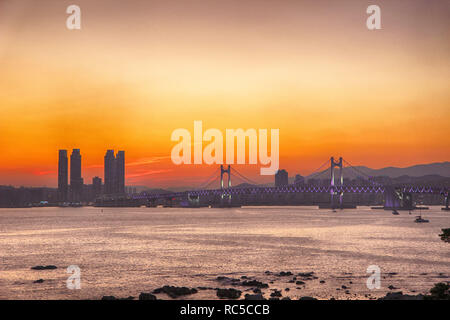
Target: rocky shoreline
x=253, y=288
x=249, y=288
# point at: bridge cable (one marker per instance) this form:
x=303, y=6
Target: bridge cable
x=244, y=177
x=208, y=180
x=369, y=178
x=210, y=183
x=317, y=172
x=240, y=179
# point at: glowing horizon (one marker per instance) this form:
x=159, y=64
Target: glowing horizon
x=138, y=71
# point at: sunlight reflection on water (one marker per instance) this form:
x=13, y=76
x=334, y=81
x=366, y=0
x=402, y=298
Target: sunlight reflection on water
x=124, y=251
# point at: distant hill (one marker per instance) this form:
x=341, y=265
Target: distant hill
x=181, y=189
x=244, y=185
x=435, y=180
x=152, y=190
x=433, y=169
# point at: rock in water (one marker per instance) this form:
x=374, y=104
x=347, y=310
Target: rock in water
x=49, y=267
x=306, y=274
x=228, y=281
x=400, y=296
x=147, y=296
x=276, y=293
x=175, y=292
x=255, y=283
x=307, y=298
x=228, y=293
x=254, y=297
x=391, y=287
x=285, y=274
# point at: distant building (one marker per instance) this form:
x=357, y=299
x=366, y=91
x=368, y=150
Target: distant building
x=109, y=172
x=130, y=190
x=114, y=172
x=281, y=178
x=63, y=175
x=120, y=172
x=299, y=180
x=96, y=187
x=76, y=181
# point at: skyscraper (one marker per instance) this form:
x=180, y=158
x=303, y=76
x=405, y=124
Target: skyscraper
x=299, y=180
x=120, y=172
x=76, y=181
x=96, y=186
x=281, y=178
x=114, y=172
x=109, y=171
x=63, y=175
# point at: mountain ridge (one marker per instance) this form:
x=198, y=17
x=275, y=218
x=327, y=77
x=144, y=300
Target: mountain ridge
x=436, y=168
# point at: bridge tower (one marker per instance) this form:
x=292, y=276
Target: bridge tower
x=225, y=198
x=333, y=184
x=228, y=172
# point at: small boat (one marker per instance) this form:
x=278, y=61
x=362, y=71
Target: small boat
x=395, y=212
x=419, y=219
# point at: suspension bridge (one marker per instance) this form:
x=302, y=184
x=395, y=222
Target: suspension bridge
x=334, y=194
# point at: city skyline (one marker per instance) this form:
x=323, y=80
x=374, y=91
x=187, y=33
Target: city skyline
x=76, y=191
x=109, y=159
x=312, y=70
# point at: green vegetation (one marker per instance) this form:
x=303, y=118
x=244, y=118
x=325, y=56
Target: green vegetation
x=440, y=291
x=445, y=236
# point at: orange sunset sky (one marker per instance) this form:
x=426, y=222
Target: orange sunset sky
x=137, y=70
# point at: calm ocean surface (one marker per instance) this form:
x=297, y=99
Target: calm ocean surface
x=125, y=251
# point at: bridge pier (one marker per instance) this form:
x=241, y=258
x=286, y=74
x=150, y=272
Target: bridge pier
x=332, y=186
x=446, y=201
x=225, y=201
x=397, y=199
x=193, y=200
x=391, y=199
